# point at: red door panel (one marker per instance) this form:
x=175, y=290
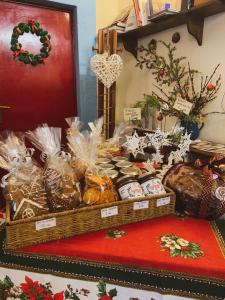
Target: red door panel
x=43, y=93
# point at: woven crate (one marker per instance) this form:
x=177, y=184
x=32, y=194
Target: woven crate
x=27, y=232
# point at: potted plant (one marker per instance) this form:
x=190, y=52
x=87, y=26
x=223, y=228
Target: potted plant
x=176, y=84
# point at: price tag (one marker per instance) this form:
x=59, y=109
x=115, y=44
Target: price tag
x=183, y=105
x=48, y=223
x=109, y=211
x=140, y=205
x=132, y=114
x=163, y=201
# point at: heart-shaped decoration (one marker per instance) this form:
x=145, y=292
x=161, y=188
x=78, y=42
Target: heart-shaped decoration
x=107, y=68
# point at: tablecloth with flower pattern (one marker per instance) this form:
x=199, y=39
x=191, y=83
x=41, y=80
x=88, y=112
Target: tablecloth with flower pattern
x=150, y=260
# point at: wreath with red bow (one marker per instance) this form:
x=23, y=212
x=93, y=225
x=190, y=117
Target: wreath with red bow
x=24, y=56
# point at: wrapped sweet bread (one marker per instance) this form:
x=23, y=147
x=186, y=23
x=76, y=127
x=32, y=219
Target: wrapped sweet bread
x=79, y=141
x=200, y=190
x=112, y=146
x=61, y=183
x=98, y=188
x=77, y=145
x=23, y=186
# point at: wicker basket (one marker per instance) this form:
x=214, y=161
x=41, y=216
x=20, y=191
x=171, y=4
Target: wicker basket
x=57, y=226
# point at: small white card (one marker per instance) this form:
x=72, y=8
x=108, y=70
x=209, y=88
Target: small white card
x=183, y=105
x=141, y=205
x=163, y=201
x=109, y=211
x=132, y=114
x=48, y=223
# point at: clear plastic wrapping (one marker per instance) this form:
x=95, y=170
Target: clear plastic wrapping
x=23, y=186
x=61, y=184
x=200, y=192
x=84, y=146
x=112, y=146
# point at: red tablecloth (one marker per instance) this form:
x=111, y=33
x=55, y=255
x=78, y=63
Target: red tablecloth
x=169, y=243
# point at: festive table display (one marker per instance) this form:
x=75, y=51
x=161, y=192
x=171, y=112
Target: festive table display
x=84, y=189
x=91, y=185
x=124, y=215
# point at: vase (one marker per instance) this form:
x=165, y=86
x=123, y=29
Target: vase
x=191, y=128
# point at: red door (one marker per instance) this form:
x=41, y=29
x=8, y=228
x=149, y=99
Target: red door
x=45, y=93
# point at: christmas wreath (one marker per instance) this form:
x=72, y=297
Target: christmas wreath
x=23, y=55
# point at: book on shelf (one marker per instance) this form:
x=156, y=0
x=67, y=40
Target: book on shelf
x=131, y=21
x=120, y=22
x=143, y=6
x=137, y=12
x=162, y=15
x=119, y=27
x=161, y=5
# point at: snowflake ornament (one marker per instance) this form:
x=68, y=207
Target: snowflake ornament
x=158, y=139
x=178, y=155
x=185, y=142
x=135, y=144
x=157, y=157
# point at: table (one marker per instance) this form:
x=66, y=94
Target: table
x=141, y=261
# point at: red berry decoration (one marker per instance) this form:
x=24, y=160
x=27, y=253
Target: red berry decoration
x=162, y=72
x=160, y=117
x=210, y=87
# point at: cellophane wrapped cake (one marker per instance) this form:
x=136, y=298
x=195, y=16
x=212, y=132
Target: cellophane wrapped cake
x=62, y=185
x=199, y=188
x=23, y=186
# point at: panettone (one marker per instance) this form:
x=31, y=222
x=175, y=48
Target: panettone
x=199, y=194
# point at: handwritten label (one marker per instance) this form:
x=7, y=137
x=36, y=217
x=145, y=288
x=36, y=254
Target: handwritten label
x=132, y=114
x=48, y=223
x=140, y=205
x=109, y=211
x=183, y=105
x=163, y=201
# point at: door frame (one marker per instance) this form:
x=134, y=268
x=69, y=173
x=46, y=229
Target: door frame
x=72, y=9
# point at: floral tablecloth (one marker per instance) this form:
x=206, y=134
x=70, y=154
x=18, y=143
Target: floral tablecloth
x=17, y=285
x=164, y=258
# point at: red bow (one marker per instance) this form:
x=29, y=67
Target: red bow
x=18, y=52
x=33, y=26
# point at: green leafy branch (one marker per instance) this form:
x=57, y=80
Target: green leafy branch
x=176, y=75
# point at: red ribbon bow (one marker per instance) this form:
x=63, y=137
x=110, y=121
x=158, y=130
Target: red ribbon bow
x=33, y=26
x=18, y=52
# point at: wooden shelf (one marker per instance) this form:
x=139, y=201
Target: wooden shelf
x=194, y=18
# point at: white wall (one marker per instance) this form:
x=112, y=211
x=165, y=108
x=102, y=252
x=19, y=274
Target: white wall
x=108, y=10
x=133, y=82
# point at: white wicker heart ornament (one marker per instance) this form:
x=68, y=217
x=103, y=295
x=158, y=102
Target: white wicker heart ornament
x=107, y=68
